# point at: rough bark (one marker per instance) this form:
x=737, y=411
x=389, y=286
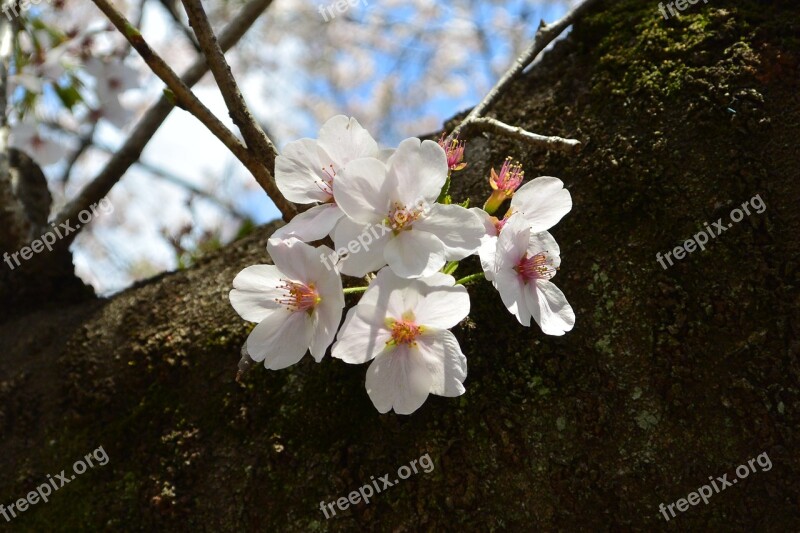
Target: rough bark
x=670, y=376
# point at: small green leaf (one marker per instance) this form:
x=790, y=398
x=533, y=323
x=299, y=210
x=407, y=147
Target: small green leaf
x=170, y=96
x=443, y=196
x=69, y=95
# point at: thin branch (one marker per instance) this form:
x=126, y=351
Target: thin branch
x=85, y=142
x=544, y=36
x=184, y=183
x=559, y=144
x=257, y=141
x=174, y=14
x=132, y=148
x=183, y=96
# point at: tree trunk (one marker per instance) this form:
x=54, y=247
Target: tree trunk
x=670, y=375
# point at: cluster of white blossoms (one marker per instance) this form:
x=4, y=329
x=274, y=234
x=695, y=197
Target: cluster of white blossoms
x=110, y=79
x=403, y=318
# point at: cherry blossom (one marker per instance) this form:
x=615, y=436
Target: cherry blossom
x=524, y=264
x=296, y=302
x=425, y=236
x=306, y=170
x=542, y=202
x=111, y=80
x=403, y=326
x=25, y=136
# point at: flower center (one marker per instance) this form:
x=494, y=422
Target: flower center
x=539, y=266
x=404, y=331
x=326, y=185
x=499, y=223
x=37, y=143
x=299, y=296
x=401, y=217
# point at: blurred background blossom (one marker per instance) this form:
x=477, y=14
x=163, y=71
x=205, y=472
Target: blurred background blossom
x=400, y=67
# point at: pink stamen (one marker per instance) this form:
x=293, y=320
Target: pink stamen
x=326, y=185
x=539, y=266
x=510, y=177
x=299, y=296
x=455, y=153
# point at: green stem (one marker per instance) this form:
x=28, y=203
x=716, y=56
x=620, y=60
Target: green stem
x=470, y=278
x=450, y=267
x=495, y=201
x=353, y=290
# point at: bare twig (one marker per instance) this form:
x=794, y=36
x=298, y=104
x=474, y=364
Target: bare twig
x=257, y=141
x=133, y=146
x=184, y=97
x=183, y=183
x=544, y=36
x=172, y=10
x=553, y=143
x=85, y=142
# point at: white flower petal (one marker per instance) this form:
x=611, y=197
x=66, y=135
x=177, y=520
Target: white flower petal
x=369, y=256
x=399, y=379
x=549, y=307
x=312, y=225
x=412, y=254
x=418, y=171
x=361, y=337
x=345, y=140
x=299, y=175
x=512, y=243
x=511, y=291
x=299, y=261
x=113, y=111
x=458, y=228
x=487, y=253
x=385, y=154
x=31, y=82
x=445, y=362
x=329, y=314
x=282, y=339
x=486, y=219
x=544, y=242
x=254, y=292
x=362, y=190
x=544, y=201
x=442, y=306
x=388, y=296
